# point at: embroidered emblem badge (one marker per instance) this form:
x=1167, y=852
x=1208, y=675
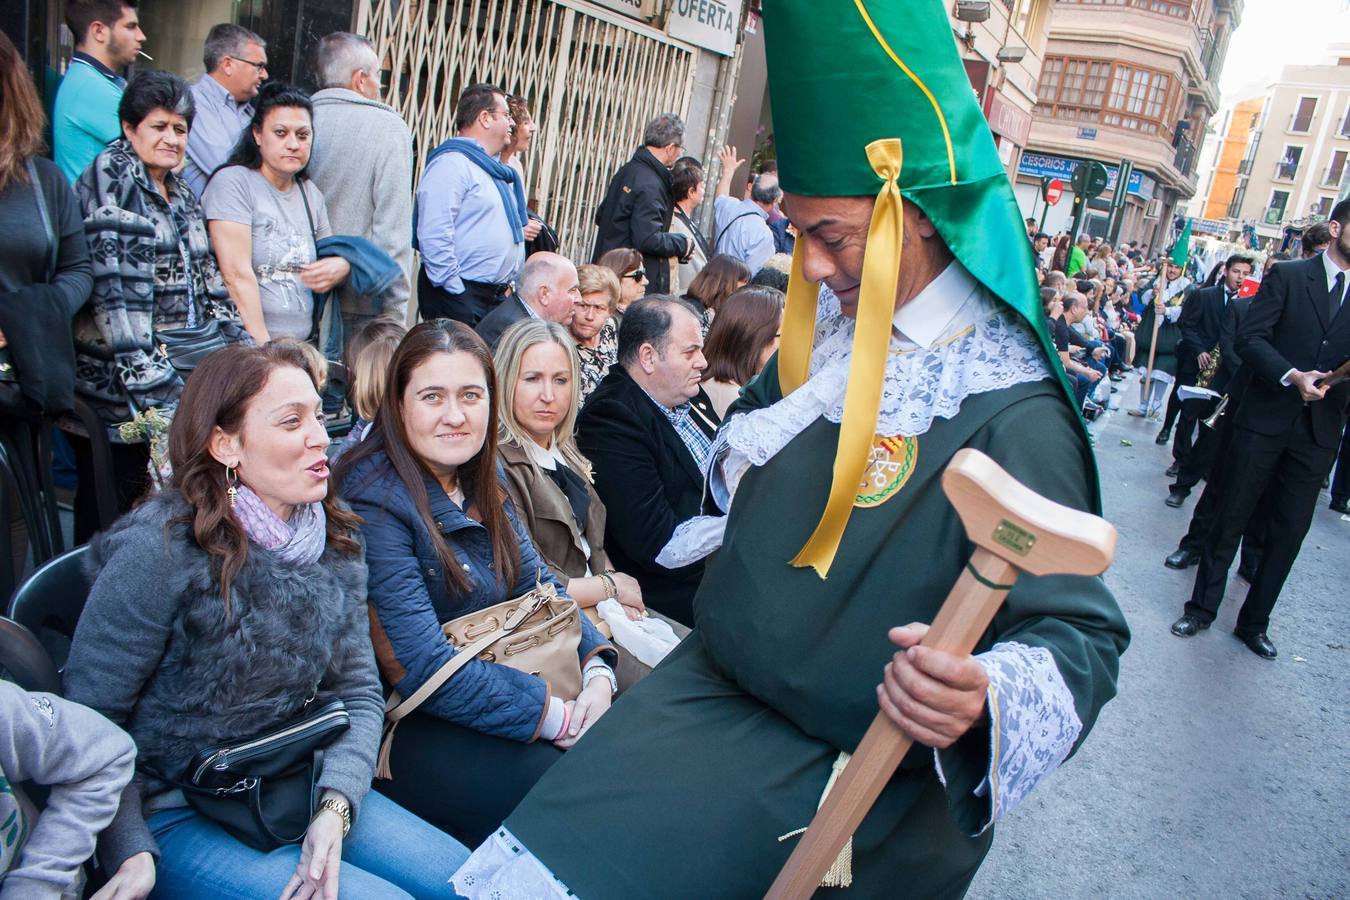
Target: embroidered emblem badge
x=889, y=465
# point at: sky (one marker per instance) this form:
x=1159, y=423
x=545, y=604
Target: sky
x=1277, y=33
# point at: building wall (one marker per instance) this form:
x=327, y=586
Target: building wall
x=1241, y=121
x=1303, y=185
x=1131, y=80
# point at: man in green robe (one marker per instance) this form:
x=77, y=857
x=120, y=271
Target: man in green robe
x=913, y=329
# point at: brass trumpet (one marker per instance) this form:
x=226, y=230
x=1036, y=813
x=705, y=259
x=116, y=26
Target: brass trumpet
x=1218, y=411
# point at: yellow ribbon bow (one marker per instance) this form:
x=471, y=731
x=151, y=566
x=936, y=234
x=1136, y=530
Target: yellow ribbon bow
x=871, y=341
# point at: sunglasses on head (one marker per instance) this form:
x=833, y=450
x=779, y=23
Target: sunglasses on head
x=637, y=275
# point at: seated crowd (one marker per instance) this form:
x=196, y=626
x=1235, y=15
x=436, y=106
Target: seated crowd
x=536, y=458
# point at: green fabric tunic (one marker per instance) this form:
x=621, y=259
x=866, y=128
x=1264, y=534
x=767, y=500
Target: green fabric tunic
x=684, y=787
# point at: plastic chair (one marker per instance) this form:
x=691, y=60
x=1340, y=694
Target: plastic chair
x=24, y=660
x=49, y=603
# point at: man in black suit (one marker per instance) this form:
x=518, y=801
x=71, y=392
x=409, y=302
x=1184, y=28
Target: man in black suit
x=649, y=440
x=547, y=289
x=1286, y=429
x=1208, y=324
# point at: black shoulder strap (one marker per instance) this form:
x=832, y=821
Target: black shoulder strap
x=721, y=234
x=53, y=239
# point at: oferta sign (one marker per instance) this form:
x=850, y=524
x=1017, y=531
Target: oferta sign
x=711, y=24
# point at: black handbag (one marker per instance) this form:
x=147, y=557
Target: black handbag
x=263, y=790
x=185, y=348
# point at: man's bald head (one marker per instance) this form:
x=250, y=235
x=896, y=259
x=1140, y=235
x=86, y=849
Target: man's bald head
x=833, y=236
x=765, y=190
x=548, y=284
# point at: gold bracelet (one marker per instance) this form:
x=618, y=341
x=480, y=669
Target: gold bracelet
x=611, y=589
x=342, y=808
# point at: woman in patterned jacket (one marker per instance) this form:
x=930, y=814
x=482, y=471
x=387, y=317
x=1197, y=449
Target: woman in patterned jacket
x=153, y=272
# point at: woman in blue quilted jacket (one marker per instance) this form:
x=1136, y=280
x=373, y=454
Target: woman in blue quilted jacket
x=442, y=542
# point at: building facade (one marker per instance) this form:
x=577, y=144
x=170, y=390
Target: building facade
x=1224, y=154
x=1126, y=80
x=1297, y=160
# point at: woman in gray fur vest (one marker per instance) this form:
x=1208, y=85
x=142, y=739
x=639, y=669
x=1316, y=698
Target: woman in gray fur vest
x=220, y=609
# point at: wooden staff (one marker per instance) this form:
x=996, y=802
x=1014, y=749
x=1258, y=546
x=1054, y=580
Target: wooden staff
x=1014, y=530
x=1152, y=353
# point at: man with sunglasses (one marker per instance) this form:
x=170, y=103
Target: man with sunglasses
x=236, y=66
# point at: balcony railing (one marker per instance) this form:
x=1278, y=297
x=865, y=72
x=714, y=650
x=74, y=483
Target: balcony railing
x=1274, y=215
x=1332, y=176
x=1286, y=171
x=1184, y=159
x=1245, y=167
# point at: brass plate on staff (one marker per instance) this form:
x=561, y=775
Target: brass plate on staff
x=889, y=465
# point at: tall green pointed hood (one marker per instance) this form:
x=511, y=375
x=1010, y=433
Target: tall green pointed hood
x=870, y=98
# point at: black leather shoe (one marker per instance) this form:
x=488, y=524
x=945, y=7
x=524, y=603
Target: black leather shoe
x=1163, y=436
x=1173, y=470
x=1182, y=558
x=1341, y=506
x=1190, y=626
x=1176, y=498
x=1257, y=643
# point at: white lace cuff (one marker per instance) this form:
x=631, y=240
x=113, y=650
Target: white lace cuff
x=501, y=867
x=1033, y=724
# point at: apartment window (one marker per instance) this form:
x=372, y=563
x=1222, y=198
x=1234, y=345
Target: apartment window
x=1337, y=168
x=1345, y=122
x=1323, y=207
x=1279, y=200
x=1287, y=167
x=1177, y=9
x=1089, y=90
x=1301, y=121
x=1138, y=98
x=1073, y=88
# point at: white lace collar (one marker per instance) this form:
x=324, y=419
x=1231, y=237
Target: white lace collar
x=983, y=346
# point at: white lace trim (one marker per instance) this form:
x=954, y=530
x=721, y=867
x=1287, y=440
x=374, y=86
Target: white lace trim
x=1035, y=724
x=997, y=351
x=502, y=869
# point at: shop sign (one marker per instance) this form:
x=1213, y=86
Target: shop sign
x=1006, y=119
x=1038, y=164
x=638, y=9
x=1210, y=226
x=977, y=70
x=711, y=24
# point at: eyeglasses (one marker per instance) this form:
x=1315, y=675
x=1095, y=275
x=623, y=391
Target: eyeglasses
x=260, y=66
x=638, y=276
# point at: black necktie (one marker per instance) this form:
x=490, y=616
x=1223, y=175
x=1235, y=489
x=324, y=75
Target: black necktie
x=1334, y=298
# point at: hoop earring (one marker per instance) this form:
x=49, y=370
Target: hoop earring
x=232, y=480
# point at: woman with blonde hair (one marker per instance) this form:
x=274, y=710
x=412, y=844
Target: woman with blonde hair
x=547, y=478
x=593, y=326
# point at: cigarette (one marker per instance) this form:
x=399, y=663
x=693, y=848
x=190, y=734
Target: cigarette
x=146, y=55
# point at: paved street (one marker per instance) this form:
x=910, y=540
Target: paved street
x=1214, y=773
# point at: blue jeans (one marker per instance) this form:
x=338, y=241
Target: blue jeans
x=390, y=853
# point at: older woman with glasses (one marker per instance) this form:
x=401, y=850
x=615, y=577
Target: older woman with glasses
x=593, y=327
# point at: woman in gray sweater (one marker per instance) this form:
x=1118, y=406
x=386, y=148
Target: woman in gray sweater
x=220, y=609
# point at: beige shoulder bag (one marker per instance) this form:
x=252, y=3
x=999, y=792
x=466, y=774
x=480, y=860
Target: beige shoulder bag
x=538, y=633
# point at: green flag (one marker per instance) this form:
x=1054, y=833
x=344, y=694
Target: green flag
x=1181, y=250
